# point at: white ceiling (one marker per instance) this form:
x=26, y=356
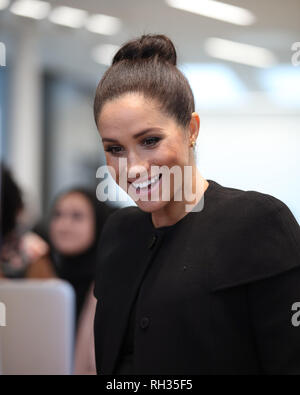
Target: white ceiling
x=68, y=51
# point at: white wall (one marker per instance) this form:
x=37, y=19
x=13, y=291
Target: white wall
x=253, y=152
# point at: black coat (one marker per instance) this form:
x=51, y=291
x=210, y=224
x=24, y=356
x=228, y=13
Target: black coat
x=214, y=291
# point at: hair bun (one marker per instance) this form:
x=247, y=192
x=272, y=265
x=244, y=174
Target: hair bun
x=148, y=46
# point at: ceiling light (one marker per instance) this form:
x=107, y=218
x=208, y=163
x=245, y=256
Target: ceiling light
x=104, y=54
x=67, y=16
x=216, y=10
x=239, y=53
x=31, y=9
x=103, y=24
x=4, y=4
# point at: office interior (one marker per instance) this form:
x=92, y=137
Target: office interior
x=242, y=61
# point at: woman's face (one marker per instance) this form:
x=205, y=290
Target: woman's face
x=72, y=227
x=134, y=129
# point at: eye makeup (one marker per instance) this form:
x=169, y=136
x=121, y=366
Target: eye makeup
x=148, y=143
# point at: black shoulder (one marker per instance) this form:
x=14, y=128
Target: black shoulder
x=252, y=208
x=124, y=219
x=263, y=238
x=272, y=215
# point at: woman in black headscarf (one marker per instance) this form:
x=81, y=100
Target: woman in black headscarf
x=75, y=225
x=76, y=222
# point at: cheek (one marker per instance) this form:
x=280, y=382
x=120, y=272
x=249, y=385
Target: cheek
x=113, y=167
x=172, y=154
x=87, y=230
x=53, y=229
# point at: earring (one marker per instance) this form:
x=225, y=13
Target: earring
x=193, y=143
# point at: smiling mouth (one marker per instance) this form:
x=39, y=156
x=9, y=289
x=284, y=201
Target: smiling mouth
x=146, y=185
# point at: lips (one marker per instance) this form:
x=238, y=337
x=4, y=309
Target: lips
x=146, y=183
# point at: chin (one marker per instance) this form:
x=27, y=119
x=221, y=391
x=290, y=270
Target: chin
x=150, y=207
x=68, y=250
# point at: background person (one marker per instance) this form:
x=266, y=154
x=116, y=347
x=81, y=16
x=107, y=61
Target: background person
x=20, y=248
x=77, y=219
x=75, y=226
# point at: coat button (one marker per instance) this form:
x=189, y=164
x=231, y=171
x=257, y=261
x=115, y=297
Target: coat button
x=152, y=241
x=144, y=323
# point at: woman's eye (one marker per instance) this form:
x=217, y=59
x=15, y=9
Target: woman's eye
x=76, y=216
x=115, y=150
x=151, y=141
x=56, y=214
x=147, y=142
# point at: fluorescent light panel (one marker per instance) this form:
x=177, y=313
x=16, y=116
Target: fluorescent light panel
x=69, y=17
x=103, y=54
x=103, y=24
x=239, y=53
x=4, y=4
x=216, y=10
x=31, y=9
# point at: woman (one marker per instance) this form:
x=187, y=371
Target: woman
x=77, y=219
x=76, y=222
x=20, y=249
x=201, y=285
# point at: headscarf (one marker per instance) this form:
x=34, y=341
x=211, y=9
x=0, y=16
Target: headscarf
x=79, y=269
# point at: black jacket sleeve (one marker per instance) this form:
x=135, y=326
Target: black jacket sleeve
x=271, y=299
x=277, y=339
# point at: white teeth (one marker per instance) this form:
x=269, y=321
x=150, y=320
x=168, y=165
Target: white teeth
x=146, y=183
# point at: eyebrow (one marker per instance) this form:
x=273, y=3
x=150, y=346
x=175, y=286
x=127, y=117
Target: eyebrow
x=135, y=136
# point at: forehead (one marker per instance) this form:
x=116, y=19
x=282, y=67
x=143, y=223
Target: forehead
x=131, y=111
x=73, y=200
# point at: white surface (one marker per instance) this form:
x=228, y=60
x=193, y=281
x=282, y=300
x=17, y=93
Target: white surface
x=39, y=333
x=258, y=153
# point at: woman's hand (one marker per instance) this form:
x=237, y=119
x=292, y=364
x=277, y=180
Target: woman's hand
x=33, y=246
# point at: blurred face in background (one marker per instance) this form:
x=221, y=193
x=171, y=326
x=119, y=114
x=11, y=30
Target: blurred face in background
x=72, y=227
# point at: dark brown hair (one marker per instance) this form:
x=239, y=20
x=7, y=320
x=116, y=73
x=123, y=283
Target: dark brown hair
x=11, y=202
x=147, y=65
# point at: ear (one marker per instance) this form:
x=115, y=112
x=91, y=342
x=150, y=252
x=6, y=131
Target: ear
x=194, y=127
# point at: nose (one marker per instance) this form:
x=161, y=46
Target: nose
x=137, y=167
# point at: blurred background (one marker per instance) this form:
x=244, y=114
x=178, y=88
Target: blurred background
x=242, y=59
x=243, y=70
